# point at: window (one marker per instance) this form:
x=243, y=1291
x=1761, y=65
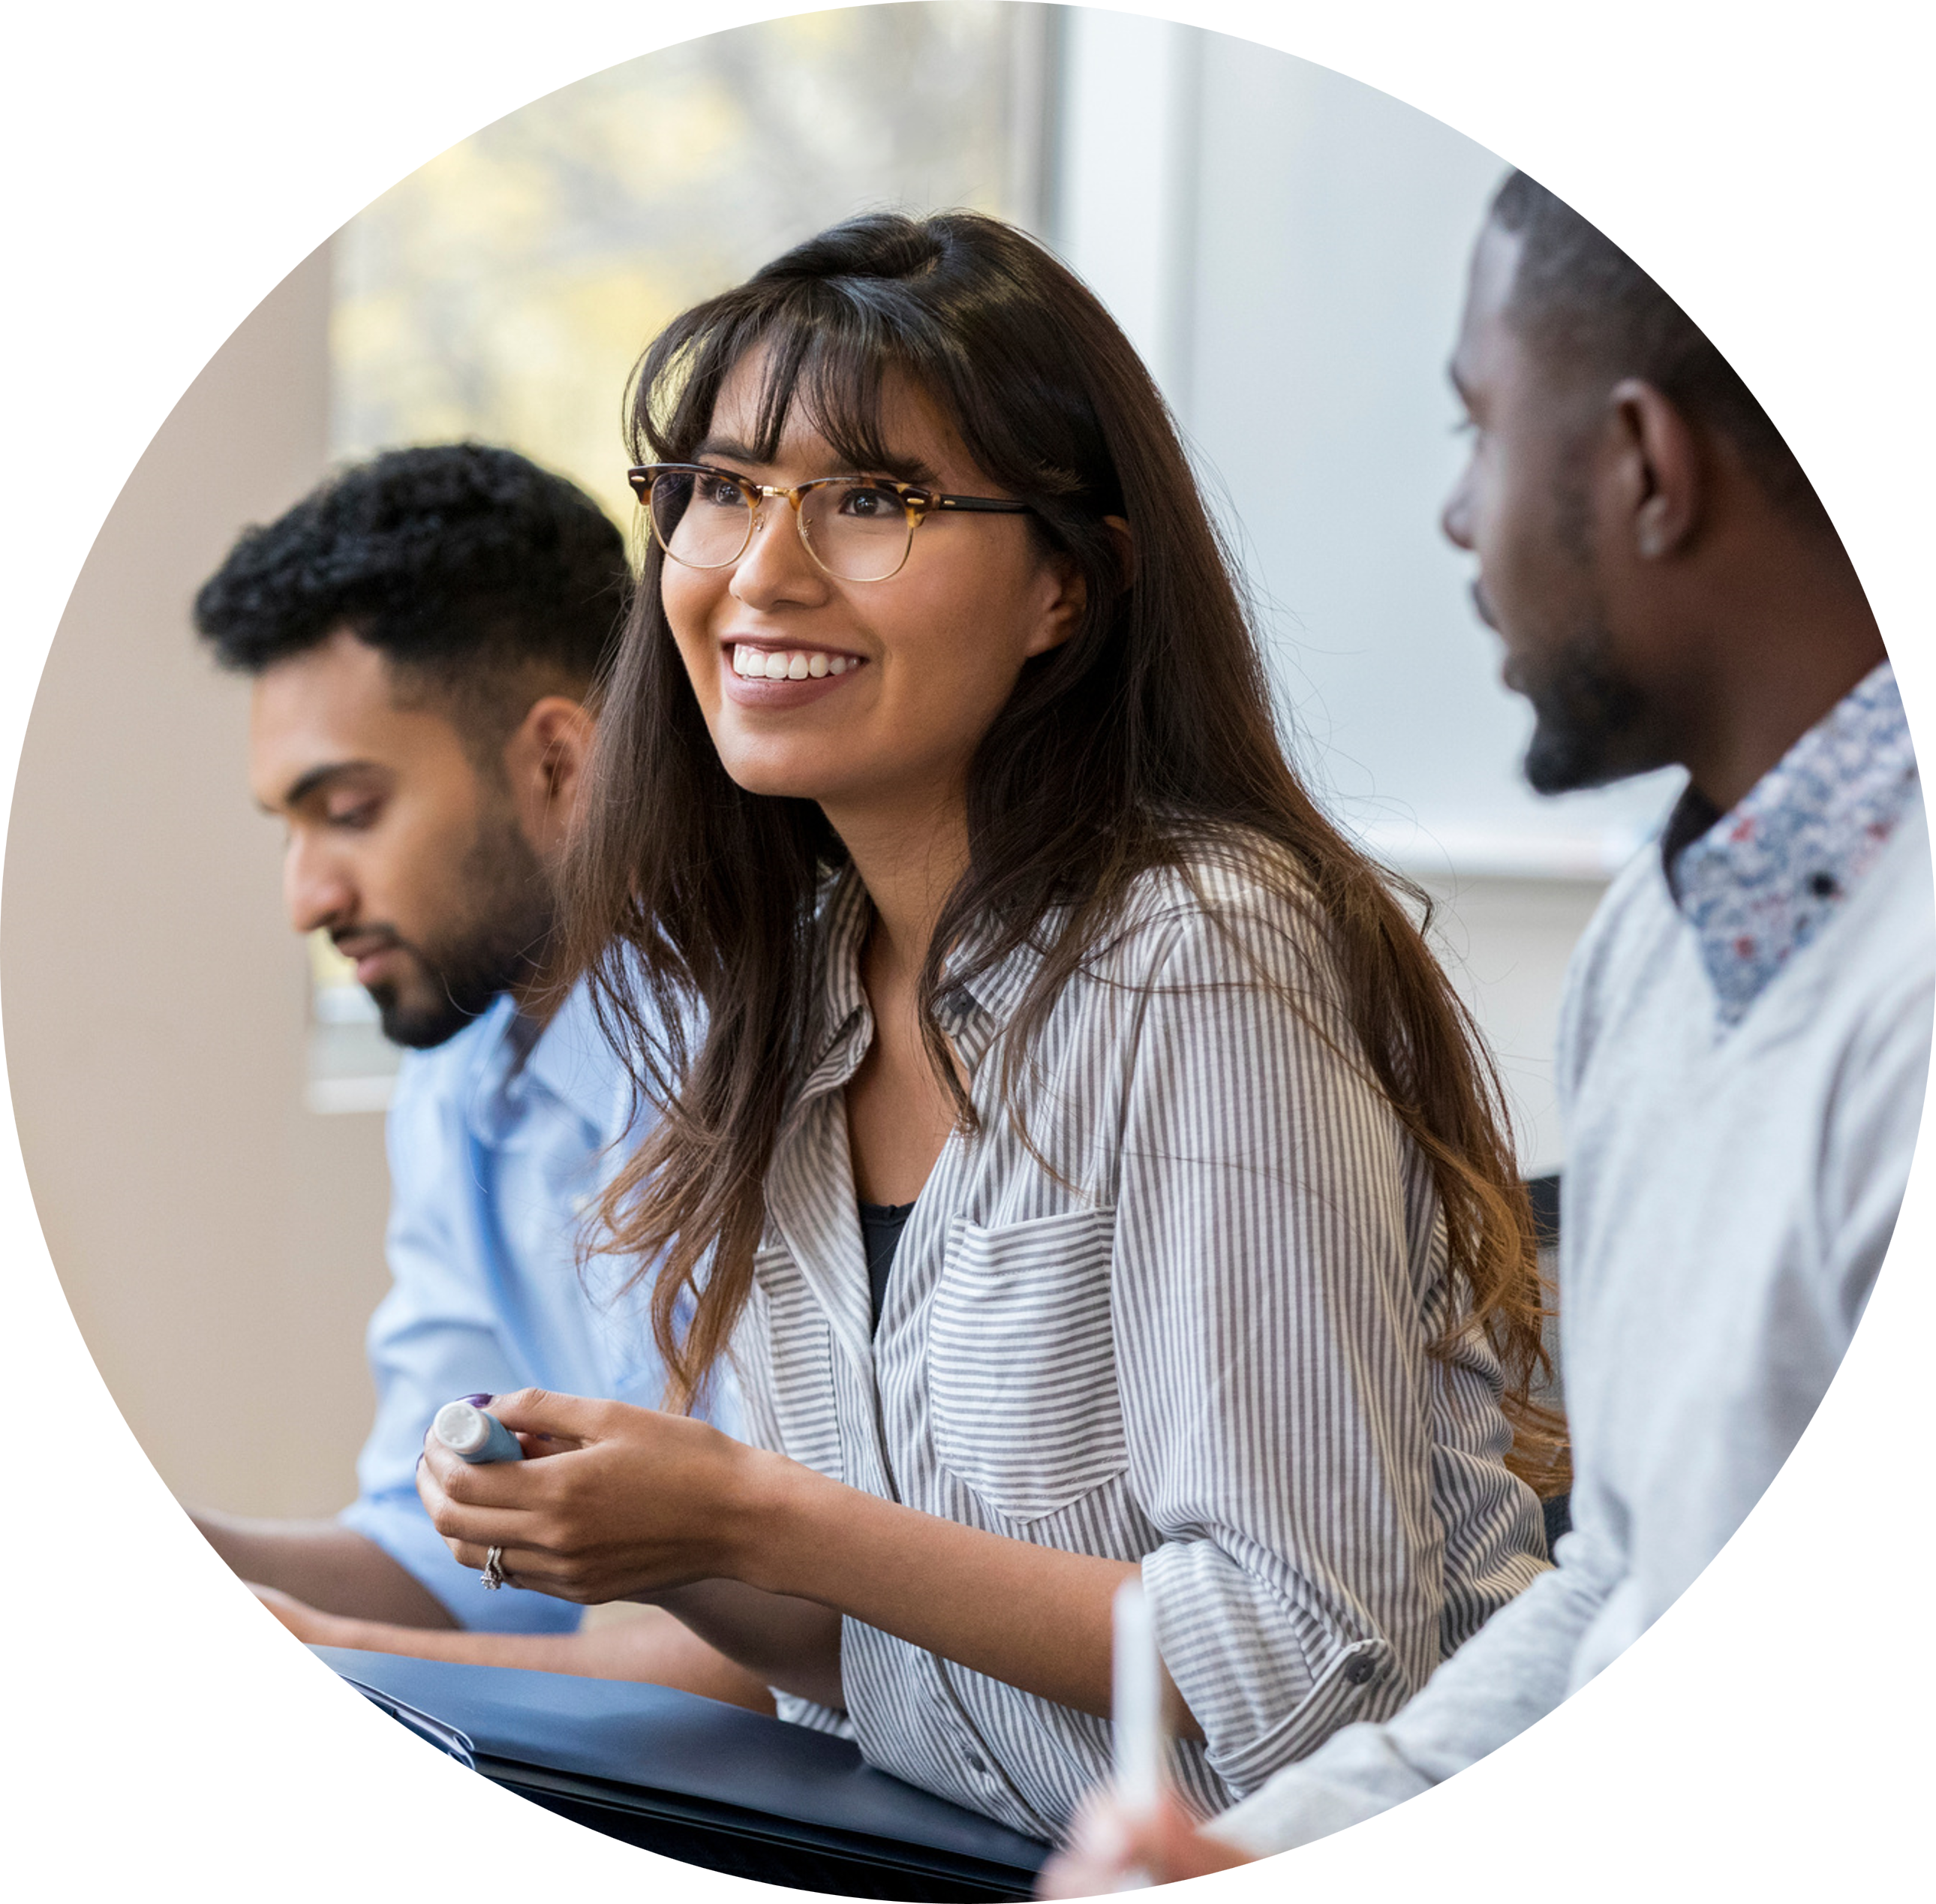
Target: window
x=505, y=290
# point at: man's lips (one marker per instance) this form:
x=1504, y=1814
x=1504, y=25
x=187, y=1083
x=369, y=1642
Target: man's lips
x=366, y=954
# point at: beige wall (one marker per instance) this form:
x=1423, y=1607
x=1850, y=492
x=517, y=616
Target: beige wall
x=220, y=1245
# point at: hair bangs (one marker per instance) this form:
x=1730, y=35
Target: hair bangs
x=826, y=356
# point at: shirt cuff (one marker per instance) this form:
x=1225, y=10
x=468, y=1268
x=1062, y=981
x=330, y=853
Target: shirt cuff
x=403, y=1530
x=798, y=1711
x=1266, y=1688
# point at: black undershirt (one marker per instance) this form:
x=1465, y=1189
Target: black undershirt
x=881, y=1233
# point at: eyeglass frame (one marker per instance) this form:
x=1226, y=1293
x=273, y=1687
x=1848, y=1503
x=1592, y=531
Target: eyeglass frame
x=917, y=499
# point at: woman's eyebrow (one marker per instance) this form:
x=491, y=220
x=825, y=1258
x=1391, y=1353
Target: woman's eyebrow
x=907, y=469
x=728, y=447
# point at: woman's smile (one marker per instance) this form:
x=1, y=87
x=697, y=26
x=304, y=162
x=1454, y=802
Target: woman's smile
x=767, y=674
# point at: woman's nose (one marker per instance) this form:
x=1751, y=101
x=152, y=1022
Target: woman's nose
x=776, y=568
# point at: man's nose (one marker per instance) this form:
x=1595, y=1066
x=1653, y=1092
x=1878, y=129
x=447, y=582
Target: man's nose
x=315, y=888
x=1455, y=518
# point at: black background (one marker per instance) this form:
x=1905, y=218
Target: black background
x=165, y=179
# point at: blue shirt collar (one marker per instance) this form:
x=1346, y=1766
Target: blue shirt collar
x=566, y=1060
x=1757, y=883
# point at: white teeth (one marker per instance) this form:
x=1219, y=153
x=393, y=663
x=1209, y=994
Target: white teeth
x=788, y=664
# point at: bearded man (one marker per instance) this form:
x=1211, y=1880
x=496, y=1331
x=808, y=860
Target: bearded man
x=424, y=634
x=1745, y=1037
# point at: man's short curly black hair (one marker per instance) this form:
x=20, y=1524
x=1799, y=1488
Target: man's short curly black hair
x=466, y=565
x=1578, y=298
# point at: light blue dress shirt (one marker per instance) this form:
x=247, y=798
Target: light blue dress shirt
x=499, y=1141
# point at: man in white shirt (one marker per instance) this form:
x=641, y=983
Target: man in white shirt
x=1746, y=1034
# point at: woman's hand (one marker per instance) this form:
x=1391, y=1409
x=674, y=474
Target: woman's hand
x=1109, y=1850
x=614, y=1503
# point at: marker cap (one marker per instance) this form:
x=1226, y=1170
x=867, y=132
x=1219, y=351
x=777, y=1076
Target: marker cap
x=462, y=1426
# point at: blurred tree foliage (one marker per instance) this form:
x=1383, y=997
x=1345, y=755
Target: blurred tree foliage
x=505, y=290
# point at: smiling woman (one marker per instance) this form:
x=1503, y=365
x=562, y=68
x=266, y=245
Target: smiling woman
x=1089, y=1168
x=912, y=676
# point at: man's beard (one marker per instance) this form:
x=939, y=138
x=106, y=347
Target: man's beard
x=502, y=942
x=1592, y=724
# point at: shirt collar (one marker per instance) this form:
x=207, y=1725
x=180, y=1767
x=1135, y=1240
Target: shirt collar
x=1758, y=882
x=566, y=1060
x=841, y=1035
x=973, y=1012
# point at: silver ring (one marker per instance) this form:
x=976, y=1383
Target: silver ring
x=493, y=1576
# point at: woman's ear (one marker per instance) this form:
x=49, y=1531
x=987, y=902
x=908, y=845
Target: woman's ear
x=1065, y=595
x=1063, y=614
x=545, y=761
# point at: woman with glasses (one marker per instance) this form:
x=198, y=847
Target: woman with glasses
x=1065, y=1130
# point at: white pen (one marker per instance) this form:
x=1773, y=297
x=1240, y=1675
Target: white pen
x=1136, y=1706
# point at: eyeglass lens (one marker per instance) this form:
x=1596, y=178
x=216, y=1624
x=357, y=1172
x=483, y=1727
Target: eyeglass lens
x=856, y=530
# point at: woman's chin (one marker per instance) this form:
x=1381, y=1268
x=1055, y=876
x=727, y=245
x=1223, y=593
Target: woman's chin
x=783, y=773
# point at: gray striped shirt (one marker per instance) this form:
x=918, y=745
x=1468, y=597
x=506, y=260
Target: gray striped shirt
x=1184, y=1321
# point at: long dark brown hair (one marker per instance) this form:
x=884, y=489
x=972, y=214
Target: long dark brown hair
x=693, y=902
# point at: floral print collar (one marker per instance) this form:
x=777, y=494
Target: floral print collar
x=1761, y=881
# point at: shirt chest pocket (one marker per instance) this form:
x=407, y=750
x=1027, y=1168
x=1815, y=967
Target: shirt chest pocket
x=1022, y=1362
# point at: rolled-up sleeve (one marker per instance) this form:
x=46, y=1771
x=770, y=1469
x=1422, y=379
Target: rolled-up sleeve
x=1278, y=1273
x=1504, y=1677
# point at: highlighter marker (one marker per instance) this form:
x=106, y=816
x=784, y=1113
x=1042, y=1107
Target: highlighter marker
x=1137, y=1709
x=468, y=1432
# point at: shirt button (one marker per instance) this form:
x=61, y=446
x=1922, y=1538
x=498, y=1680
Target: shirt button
x=976, y=1763
x=1359, y=1671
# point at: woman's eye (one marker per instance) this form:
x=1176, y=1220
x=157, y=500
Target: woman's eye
x=870, y=504
x=719, y=493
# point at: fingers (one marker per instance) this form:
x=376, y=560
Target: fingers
x=1106, y=1846
x=478, y=1484
x=535, y=1571
x=567, y=1418
x=1174, y=1846
x=495, y=1504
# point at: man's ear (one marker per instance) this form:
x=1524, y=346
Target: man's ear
x=545, y=762
x=1661, y=473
